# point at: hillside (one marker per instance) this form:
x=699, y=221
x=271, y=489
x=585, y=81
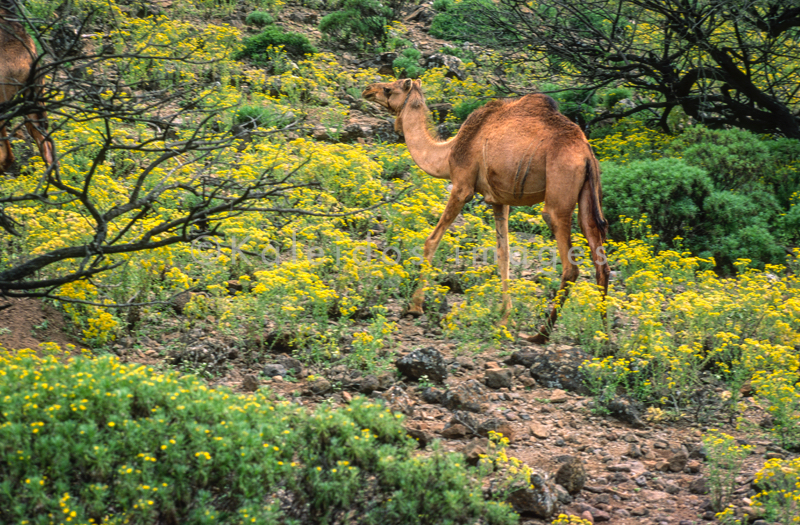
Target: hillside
x=230, y=339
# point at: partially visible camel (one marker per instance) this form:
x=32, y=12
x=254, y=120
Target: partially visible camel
x=515, y=153
x=17, y=69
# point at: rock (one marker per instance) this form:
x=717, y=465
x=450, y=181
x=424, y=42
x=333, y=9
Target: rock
x=399, y=401
x=498, y=378
x=495, y=425
x=292, y=364
x=677, y=462
x=522, y=358
x=320, y=386
x=559, y=367
x=467, y=419
x=627, y=410
x=250, y=383
x=699, y=486
x=633, y=451
x=619, y=467
x=558, y=396
x=660, y=444
x=600, y=515
x=423, y=362
x=432, y=395
x=563, y=495
x=671, y=488
x=540, y=501
x=694, y=466
x=630, y=437
x=368, y=384
x=454, y=431
x=587, y=515
x=539, y=431
x=753, y=513
x=453, y=65
x=474, y=450
x=470, y=396
x=423, y=437
x=653, y=496
x=571, y=474
x=273, y=370
x=465, y=362
x=640, y=511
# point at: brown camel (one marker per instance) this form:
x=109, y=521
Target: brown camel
x=17, y=69
x=514, y=153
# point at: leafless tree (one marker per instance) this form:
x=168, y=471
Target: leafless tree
x=725, y=62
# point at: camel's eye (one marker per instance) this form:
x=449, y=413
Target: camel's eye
x=387, y=92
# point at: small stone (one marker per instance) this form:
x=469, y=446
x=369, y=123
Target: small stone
x=539, y=431
x=571, y=474
x=630, y=437
x=423, y=362
x=368, y=384
x=671, y=488
x=600, y=515
x=619, y=467
x=474, y=450
x=470, y=396
x=633, y=451
x=423, y=437
x=273, y=370
x=541, y=500
x=661, y=444
x=640, y=481
x=753, y=513
x=250, y=383
x=587, y=515
x=454, y=431
x=640, y=511
x=693, y=466
x=563, y=496
x=432, y=395
x=320, y=386
x=699, y=486
x=677, y=462
x=653, y=496
x=559, y=396
x=498, y=378
x=277, y=379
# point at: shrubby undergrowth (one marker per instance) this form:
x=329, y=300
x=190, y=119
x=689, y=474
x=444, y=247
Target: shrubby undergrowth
x=86, y=440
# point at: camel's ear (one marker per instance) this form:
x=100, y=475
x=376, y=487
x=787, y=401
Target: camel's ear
x=418, y=83
x=407, y=84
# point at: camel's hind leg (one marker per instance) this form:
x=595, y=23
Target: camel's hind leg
x=501, y=230
x=6, y=155
x=594, y=236
x=458, y=197
x=35, y=124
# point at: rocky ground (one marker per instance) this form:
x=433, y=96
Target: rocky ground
x=619, y=468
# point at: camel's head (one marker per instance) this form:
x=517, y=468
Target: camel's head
x=391, y=95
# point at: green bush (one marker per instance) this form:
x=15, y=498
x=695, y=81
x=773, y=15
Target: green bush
x=261, y=117
x=259, y=19
x=256, y=47
x=681, y=200
x=465, y=108
x=407, y=64
x=90, y=439
x=732, y=157
x=670, y=192
x=358, y=21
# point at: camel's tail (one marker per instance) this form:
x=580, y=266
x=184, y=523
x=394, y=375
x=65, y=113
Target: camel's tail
x=593, y=180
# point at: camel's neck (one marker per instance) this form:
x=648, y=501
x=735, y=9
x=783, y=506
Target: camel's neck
x=429, y=154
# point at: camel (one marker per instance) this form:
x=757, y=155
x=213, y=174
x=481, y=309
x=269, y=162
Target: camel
x=515, y=153
x=17, y=70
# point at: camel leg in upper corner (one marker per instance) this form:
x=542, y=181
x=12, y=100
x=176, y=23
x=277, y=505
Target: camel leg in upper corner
x=501, y=229
x=6, y=155
x=561, y=224
x=35, y=123
x=595, y=238
x=458, y=197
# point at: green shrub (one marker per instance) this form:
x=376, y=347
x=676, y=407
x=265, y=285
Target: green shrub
x=407, y=64
x=681, y=200
x=90, y=439
x=261, y=117
x=256, y=47
x=670, y=192
x=732, y=157
x=259, y=19
x=358, y=21
x=465, y=108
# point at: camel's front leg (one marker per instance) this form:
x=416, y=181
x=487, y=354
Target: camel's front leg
x=501, y=230
x=458, y=197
